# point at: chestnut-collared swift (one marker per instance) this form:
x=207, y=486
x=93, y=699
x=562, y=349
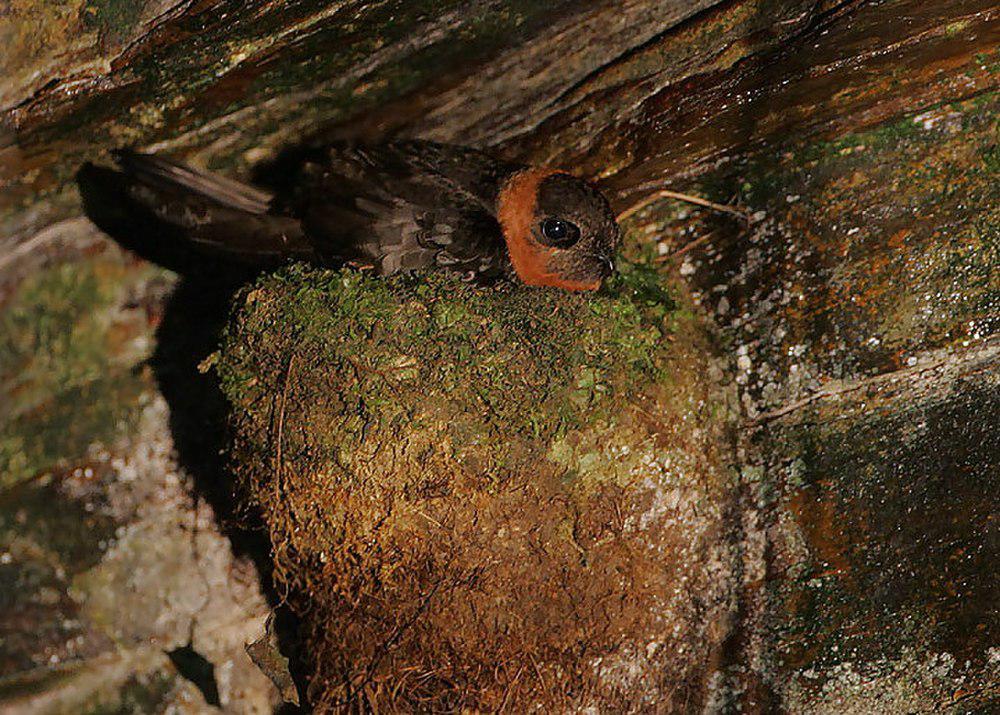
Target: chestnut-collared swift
x=395, y=207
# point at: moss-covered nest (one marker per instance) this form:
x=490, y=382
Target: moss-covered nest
x=485, y=499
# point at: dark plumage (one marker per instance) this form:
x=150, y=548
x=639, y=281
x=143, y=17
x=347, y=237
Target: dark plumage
x=401, y=206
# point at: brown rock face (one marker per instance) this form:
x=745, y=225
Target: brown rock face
x=848, y=568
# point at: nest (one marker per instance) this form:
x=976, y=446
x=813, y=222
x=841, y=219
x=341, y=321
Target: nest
x=483, y=500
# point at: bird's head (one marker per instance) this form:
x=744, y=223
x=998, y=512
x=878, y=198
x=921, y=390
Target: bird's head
x=559, y=229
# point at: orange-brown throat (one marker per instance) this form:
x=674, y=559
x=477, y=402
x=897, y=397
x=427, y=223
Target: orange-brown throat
x=516, y=205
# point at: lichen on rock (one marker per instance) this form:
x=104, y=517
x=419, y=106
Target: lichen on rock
x=481, y=498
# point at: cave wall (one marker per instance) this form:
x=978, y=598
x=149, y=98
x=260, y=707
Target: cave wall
x=856, y=313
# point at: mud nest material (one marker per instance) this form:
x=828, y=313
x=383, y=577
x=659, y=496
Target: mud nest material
x=485, y=499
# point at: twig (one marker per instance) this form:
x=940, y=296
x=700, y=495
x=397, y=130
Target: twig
x=687, y=247
x=901, y=374
x=278, y=462
x=668, y=194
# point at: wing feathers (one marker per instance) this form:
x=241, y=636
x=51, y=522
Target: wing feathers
x=218, y=213
x=157, y=171
x=400, y=206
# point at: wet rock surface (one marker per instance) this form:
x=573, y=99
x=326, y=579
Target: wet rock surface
x=859, y=308
x=885, y=536
x=111, y=566
x=856, y=312
x=230, y=84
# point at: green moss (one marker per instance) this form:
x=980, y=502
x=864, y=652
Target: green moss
x=991, y=158
x=62, y=328
x=569, y=359
x=768, y=177
x=939, y=168
x=62, y=428
x=67, y=351
x=115, y=20
x=956, y=28
x=988, y=62
x=49, y=338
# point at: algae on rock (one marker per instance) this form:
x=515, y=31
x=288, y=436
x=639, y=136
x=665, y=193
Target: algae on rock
x=485, y=496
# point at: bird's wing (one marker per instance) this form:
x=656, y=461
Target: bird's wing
x=402, y=206
x=207, y=209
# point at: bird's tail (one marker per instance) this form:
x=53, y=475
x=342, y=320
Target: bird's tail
x=216, y=213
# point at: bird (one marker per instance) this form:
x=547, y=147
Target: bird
x=395, y=207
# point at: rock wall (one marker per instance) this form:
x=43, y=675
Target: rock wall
x=855, y=314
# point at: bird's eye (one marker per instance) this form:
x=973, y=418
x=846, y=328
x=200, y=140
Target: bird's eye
x=560, y=233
